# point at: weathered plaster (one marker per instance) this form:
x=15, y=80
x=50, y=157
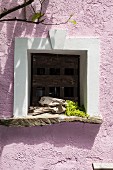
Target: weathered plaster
x=65, y=146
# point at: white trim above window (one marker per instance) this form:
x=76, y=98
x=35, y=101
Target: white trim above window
x=103, y=166
x=87, y=48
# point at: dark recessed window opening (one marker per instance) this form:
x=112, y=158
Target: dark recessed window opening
x=54, y=75
x=40, y=71
x=68, y=91
x=69, y=71
x=54, y=71
x=54, y=91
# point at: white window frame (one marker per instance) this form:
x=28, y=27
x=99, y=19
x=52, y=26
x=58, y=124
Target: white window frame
x=87, y=48
x=102, y=166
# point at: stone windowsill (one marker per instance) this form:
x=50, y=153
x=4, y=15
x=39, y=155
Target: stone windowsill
x=47, y=119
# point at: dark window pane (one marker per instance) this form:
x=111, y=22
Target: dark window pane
x=68, y=91
x=69, y=71
x=54, y=75
x=54, y=71
x=40, y=71
x=40, y=91
x=54, y=91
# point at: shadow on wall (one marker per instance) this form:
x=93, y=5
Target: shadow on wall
x=12, y=30
x=79, y=135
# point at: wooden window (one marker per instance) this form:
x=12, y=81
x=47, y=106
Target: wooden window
x=68, y=92
x=40, y=71
x=54, y=71
x=54, y=75
x=69, y=71
x=54, y=92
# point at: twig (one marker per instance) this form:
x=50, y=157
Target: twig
x=40, y=22
x=25, y=4
x=41, y=1
x=15, y=8
x=40, y=9
x=61, y=23
x=20, y=20
x=25, y=11
x=33, y=8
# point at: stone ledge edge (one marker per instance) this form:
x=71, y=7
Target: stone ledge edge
x=102, y=166
x=34, y=121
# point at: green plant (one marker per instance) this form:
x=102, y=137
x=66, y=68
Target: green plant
x=33, y=16
x=73, y=109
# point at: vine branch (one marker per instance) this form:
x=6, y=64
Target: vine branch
x=4, y=13
x=37, y=17
x=27, y=21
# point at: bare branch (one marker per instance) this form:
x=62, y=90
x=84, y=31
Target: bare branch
x=40, y=9
x=20, y=20
x=42, y=1
x=40, y=22
x=33, y=8
x=61, y=23
x=24, y=10
x=25, y=4
x=30, y=8
x=15, y=8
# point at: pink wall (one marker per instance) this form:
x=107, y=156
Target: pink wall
x=66, y=146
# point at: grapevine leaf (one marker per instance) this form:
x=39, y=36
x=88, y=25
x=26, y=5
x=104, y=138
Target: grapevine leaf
x=73, y=22
x=36, y=16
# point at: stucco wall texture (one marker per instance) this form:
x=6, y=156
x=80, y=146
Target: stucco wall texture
x=66, y=146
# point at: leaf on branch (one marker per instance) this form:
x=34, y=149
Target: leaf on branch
x=73, y=22
x=36, y=16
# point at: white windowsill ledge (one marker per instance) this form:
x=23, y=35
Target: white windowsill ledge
x=103, y=166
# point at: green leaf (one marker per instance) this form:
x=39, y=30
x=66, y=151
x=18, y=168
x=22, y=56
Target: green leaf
x=36, y=16
x=73, y=109
x=73, y=22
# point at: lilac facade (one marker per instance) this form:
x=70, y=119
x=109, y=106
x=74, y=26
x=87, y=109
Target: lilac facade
x=67, y=146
